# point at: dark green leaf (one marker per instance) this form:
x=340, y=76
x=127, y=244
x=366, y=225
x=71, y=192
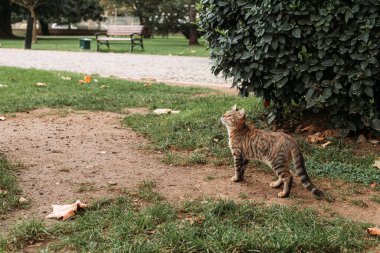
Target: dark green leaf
x=375, y=124
x=326, y=93
x=296, y=33
x=327, y=63
x=368, y=91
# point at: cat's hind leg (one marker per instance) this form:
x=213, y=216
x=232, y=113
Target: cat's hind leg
x=286, y=178
x=276, y=184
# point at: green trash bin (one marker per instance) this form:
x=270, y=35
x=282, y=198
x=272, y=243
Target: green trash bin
x=85, y=44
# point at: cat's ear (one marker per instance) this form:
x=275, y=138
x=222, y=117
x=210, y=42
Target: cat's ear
x=234, y=108
x=242, y=113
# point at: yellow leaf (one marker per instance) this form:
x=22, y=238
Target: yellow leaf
x=373, y=231
x=314, y=138
x=87, y=79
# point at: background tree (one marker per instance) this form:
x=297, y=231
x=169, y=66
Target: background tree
x=70, y=11
x=170, y=17
x=159, y=16
x=5, y=20
x=31, y=6
x=193, y=30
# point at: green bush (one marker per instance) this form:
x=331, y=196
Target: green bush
x=320, y=55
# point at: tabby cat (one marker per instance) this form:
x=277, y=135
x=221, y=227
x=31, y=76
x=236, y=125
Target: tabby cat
x=276, y=149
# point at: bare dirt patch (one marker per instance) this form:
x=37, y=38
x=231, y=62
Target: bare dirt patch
x=69, y=155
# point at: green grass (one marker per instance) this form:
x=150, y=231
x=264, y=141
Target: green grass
x=118, y=225
x=192, y=136
x=338, y=162
x=375, y=199
x=3, y=243
x=25, y=232
x=157, y=46
x=146, y=191
x=9, y=190
x=107, y=94
x=195, y=135
x=359, y=203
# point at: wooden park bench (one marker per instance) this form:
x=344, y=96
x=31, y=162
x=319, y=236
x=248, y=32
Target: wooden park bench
x=121, y=33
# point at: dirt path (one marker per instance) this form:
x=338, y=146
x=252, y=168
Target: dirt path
x=84, y=155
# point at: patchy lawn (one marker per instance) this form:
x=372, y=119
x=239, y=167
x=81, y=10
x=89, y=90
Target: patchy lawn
x=75, y=141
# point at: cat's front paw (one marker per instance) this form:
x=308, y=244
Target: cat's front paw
x=236, y=179
x=282, y=195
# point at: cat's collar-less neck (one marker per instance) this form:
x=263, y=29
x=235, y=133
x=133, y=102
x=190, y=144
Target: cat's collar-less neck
x=239, y=128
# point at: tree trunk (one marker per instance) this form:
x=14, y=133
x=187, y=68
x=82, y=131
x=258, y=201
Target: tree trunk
x=44, y=27
x=193, y=33
x=5, y=20
x=147, y=31
x=33, y=15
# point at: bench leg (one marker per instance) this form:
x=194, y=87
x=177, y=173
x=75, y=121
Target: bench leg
x=132, y=46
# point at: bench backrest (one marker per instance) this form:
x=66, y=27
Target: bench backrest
x=120, y=30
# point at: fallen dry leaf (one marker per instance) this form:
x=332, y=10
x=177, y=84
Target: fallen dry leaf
x=373, y=231
x=309, y=128
x=147, y=84
x=41, y=84
x=361, y=139
x=165, y=111
x=3, y=86
x=377, y=163
x=315, y=138
x=67, y=78
x=373, y=185
x=87, y=79
x=65, y=211
x=331, y=133
x=373, y=141
x=2, y=118
x=324, y=145
x=194, y=219
x=22, y=200
x=266, y=103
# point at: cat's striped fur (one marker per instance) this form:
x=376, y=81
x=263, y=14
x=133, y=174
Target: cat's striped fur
x=276, y=149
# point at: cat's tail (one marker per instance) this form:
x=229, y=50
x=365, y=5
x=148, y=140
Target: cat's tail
x=300, y=170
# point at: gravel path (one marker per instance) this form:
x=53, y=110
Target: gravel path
x=174, y=69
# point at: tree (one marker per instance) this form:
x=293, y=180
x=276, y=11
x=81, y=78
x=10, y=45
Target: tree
x=193, y=33
x=160, y=16
x=69, y=11
x=5, y=19
x=31, y=6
